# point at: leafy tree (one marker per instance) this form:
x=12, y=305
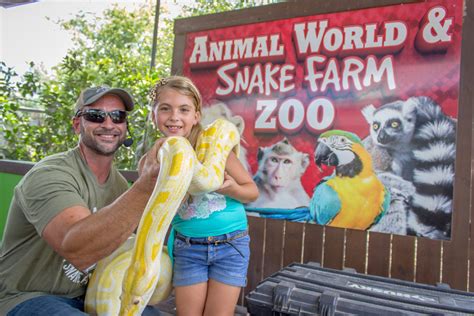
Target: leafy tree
x=19, y=127
x=202, y=7
x=114, y=49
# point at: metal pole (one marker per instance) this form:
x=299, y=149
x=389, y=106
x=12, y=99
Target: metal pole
x=143, y=145
x=155, y=35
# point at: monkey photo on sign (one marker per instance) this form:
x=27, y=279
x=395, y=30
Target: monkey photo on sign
x=278, y=177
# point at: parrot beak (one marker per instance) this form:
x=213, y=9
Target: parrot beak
x=325, y=156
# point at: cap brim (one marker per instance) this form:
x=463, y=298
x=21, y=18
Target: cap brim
x=121, y=93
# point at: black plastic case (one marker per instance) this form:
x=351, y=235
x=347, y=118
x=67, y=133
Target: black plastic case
x=308, y=289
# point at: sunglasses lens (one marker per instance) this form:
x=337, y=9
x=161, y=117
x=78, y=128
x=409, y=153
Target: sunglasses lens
x=99, y=116
x=95, y=116
x=118, y=116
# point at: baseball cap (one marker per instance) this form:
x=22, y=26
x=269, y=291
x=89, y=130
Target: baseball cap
x=90, y=95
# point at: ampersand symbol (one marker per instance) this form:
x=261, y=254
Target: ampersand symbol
x=434, y=35
x=435, y=30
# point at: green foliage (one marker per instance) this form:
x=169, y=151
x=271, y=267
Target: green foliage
x=201, y=7
x=21, y=127
x=115, y=50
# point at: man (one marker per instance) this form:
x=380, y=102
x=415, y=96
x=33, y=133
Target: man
x=71, y=210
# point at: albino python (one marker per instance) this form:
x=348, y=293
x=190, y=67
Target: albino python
x=139, y=271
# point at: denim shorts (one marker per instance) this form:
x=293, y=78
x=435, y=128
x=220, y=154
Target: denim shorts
x=223, y=258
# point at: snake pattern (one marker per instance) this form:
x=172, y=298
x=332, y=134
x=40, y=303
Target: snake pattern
x=139, y=272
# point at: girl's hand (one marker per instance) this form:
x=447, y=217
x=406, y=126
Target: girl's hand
x=228, y=185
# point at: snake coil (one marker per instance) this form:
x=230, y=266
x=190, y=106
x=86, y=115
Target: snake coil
x=139, y=272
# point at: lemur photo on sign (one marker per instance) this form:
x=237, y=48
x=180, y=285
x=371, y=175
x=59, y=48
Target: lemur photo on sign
x=347, y=119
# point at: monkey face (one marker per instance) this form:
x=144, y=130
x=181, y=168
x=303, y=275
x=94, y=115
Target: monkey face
x=281, y=164
x=280, y=169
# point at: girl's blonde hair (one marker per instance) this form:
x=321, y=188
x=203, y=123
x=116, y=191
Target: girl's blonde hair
x=186, y=87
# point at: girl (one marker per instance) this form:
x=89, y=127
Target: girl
x=211, y=242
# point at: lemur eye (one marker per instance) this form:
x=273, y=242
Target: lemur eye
x=395, y=124
x=375, y=126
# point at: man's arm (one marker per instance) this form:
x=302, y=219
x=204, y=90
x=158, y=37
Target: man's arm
x=83, y=238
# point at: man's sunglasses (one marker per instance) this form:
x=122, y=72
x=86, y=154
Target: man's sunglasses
x=99, y=116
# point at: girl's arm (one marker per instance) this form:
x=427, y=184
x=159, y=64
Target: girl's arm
x=238, y=183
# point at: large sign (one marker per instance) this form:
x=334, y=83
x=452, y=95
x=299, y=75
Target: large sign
x=347, y=119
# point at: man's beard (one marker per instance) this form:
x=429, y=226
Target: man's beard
x=90, y=142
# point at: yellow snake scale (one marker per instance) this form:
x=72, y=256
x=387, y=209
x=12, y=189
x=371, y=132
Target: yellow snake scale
x=139, y=272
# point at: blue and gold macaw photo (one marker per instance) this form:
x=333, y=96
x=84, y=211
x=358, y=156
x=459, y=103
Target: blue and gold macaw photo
x=353, y=196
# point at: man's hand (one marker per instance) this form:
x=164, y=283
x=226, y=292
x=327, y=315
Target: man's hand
x=149, y=166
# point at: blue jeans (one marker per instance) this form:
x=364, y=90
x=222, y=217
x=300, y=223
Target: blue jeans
x=223, y=258
x=50, y=305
